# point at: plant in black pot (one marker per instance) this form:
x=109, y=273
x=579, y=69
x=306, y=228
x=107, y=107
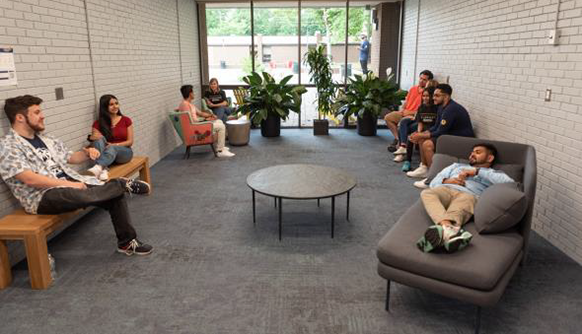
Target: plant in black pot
x=365, y=96
x=321, y=75
x=268, y=101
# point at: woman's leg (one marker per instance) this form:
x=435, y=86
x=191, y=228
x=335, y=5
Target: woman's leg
x=124, y=154
x=108, y=154
x=403, y=128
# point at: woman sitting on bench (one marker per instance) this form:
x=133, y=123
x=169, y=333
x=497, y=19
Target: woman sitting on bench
x=112, y=136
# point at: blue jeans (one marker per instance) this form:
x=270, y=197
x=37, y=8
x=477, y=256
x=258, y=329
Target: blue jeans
x=222, y=113
x=406, y=127
x=111, y=154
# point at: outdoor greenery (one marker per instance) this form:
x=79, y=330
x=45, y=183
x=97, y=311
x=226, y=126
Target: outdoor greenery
x=283, y=22
x=369, y=94
x=267, y=97
x=321, y=75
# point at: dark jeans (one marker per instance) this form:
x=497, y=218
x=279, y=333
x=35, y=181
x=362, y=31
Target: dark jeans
x=406, y=127
x=222, y=113
x=364, y=64
x=110, y=196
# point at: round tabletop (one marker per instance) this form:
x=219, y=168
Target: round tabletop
x=301, y=181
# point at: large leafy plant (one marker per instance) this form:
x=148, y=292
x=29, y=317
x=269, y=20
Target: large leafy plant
x=368, y=94
x=267, y=97
x=321, y=75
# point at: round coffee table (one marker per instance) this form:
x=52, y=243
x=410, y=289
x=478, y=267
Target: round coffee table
x=301, y=182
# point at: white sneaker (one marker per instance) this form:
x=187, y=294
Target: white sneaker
x=226, y=148
x=399, y=158
x=419, y=172
x=104, y=176
x=96, y=170
x=421, y=184
x=400, y=150
x=225, y=154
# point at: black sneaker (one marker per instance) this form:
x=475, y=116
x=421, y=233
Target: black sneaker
x=393, y=147
x=137, y=186
x=135, y=247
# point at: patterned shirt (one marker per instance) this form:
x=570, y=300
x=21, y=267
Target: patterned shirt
x=17, y=155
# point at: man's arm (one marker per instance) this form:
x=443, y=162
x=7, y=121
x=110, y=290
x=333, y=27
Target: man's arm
x=442, y=176
x=445, y=125
x=83, y=155
x=35, y=180
x=493, y=176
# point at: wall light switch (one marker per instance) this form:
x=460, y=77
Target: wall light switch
x=553, y=37
x=59, y=93
x=548, y=96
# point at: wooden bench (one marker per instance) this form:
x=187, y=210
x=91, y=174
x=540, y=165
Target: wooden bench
x=33, y=230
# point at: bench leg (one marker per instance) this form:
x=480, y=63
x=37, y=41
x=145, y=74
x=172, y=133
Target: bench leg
x=38, y=264
x=144, y=173
x=5, y=273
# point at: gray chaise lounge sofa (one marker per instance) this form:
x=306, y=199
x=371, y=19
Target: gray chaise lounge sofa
x=479, y=273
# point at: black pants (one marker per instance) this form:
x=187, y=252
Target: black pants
x=110, y=196
x=364, y=64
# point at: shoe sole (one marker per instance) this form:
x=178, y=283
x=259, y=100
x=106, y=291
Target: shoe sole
x=433, y=237
x=134, y=253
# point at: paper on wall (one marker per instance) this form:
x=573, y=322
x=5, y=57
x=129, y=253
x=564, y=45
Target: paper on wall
x=7, y=68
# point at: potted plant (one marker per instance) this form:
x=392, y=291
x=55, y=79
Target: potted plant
x=268, y=101
x=365, y=96
x=321, y=75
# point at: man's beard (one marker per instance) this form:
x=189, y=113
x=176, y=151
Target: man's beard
x=37, y=128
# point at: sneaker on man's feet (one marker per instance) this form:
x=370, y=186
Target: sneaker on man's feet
x=400, y=150
x=399, y=158
x=96, y=170
x=225, y=154
x=136, y=186
x=406, y=166
x=432, y=239
x=458, y=241
x=104, y=176
x=419, y=172
x=226, y=148
x=421, y=184
x=135, y=247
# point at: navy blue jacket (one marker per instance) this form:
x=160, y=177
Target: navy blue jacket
x=452, y=120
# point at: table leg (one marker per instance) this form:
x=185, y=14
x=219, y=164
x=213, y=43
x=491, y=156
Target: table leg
x=318, y=202
x=280, y=216
x=254, y=217
x=275, y=201
x=332, y=215
x=348, y=207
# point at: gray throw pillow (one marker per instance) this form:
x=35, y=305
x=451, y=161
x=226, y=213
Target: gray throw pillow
x=500, y=207
x=439, y=162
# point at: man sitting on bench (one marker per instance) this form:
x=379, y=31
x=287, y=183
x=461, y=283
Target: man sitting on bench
x=35, y=168
x=450, y=201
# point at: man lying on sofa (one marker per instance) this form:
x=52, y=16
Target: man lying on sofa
x=451, y=198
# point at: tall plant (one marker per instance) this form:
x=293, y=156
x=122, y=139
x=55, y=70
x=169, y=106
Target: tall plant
x=267, y=97
x=369, y=94
x=321, y=75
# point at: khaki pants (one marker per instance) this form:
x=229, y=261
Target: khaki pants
x=220, y=131
x=444, y=203
x=393, y=117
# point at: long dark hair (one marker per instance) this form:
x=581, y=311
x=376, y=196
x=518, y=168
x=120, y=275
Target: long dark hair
x=104, y=116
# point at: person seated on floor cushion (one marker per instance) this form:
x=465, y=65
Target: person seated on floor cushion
x=112, y=136
x=452, y=119
x=413, y=99
x=36, y=169
x=426, y=112
x=450, y=201
x=216, y=100
x=198, y=116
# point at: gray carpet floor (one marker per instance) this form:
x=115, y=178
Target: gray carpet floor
x=212, y=271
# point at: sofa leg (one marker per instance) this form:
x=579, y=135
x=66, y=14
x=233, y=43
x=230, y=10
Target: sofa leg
x=478, y=320
x=388, y=296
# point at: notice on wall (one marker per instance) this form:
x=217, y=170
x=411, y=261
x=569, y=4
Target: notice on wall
x=7, y=68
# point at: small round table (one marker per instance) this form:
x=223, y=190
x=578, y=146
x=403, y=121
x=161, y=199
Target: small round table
x=239, y=131
x=301, y=182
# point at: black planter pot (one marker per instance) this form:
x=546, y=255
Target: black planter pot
x=367, y=125
x=320, y=127
x=271, y=127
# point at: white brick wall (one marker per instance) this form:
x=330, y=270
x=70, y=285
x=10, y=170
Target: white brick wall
x=500, y=65
x=129, y=48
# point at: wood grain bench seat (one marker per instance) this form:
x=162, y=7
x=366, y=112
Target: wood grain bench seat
x=33, y=230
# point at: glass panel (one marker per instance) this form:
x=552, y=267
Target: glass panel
x=322, y=23
x=360, y=24
x=228, y=29
x=276, y=40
